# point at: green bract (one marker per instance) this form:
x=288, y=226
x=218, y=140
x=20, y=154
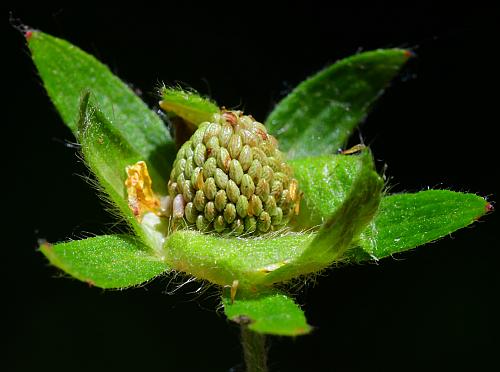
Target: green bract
x=225, y=180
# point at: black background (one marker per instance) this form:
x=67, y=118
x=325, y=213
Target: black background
x=436, y=307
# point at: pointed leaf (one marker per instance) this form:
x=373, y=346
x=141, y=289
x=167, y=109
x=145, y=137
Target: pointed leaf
x=346, y=223
x=269, y=313
x=319, y=115
x=325, y=182
x=106, y=154
x=188, y=105
x=406, y=221
x=67, y=70
x=221, y=260
x=109, y=261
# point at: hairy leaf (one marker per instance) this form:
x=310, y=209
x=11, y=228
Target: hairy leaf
x=67, y=70
x=337, y=233
x=325, y=181
x=108, y=261
x=188, y=105
x=319, y=115
x=406, y=221
x=267, y=312
x=222, y=260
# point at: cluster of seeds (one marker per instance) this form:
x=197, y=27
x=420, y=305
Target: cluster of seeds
x=230, y=177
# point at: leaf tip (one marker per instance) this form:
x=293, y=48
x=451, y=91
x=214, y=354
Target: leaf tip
x=408, y=53
x=489, y=207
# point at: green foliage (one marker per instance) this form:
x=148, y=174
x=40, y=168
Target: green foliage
x=325, y=181
x=345, y=224
x=268, y=312
x=343, y=214
x=107, y=154
x=108, y=261
x=66, y=71
x=188, y=105
x=406, y=221
x=319, y=115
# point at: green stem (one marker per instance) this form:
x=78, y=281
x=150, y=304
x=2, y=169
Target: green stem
x=254, y=350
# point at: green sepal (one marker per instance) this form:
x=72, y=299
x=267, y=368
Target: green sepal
x=67, y=70
x=188, y=105
x=222, y=260
x=107, y=154
x=325, y=182
x=336, y=235
x=406, y=221
x=319, y=115
x=108, y=261
x=267, y=312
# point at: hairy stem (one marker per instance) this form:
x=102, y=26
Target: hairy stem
x=254, y=350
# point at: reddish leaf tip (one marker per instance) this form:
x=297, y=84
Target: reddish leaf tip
x=489, y=207
x=408, y=53
x=28, y=34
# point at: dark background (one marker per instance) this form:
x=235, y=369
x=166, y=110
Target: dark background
x=435, y=307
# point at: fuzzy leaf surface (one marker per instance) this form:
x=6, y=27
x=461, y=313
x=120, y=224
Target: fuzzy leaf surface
x=270, y=313
x=319, y=115
x=406, y=221
x=325, y=181
x=336, y=235
x=67, y=70
x=108, y=261
x=222, y=260
x=188, y=105
x=107, y=154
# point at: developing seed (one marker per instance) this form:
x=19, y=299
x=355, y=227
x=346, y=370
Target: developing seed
x=232, y=191
x=178, y=206
x=187, y=191
x=271, y=206
x=213, y=147
x=245, y=157
x=190, y=213
x=223, y=159
x=225, y=135
x=247, y=186
x=199, y=154
x=250, y=224
x=254, y=206
x=195, y=178
x=249, y=138
x=237, y=227
x=279, y=176
x=197, y=137
x=242, y=206
x=255, y=171
x=201, y=223
x=262, y=190
x=199, y=200
x=277, y=218
x=209, y=168
x=172, y=187
x=210, y=211
x=220, y=200
x=259, y=155
x=235, y=171
x=235, y=145
x=188, y=151
x=188, y=170
x=276, y=189
x=210, y=189
x=267, y=174
x=229, y=212
x=221, y=178
x=212, y=130
x=219, y=224
x=180, y=183
x=264, y=222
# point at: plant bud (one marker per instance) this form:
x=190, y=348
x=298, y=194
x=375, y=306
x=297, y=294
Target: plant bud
x=230, y=177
